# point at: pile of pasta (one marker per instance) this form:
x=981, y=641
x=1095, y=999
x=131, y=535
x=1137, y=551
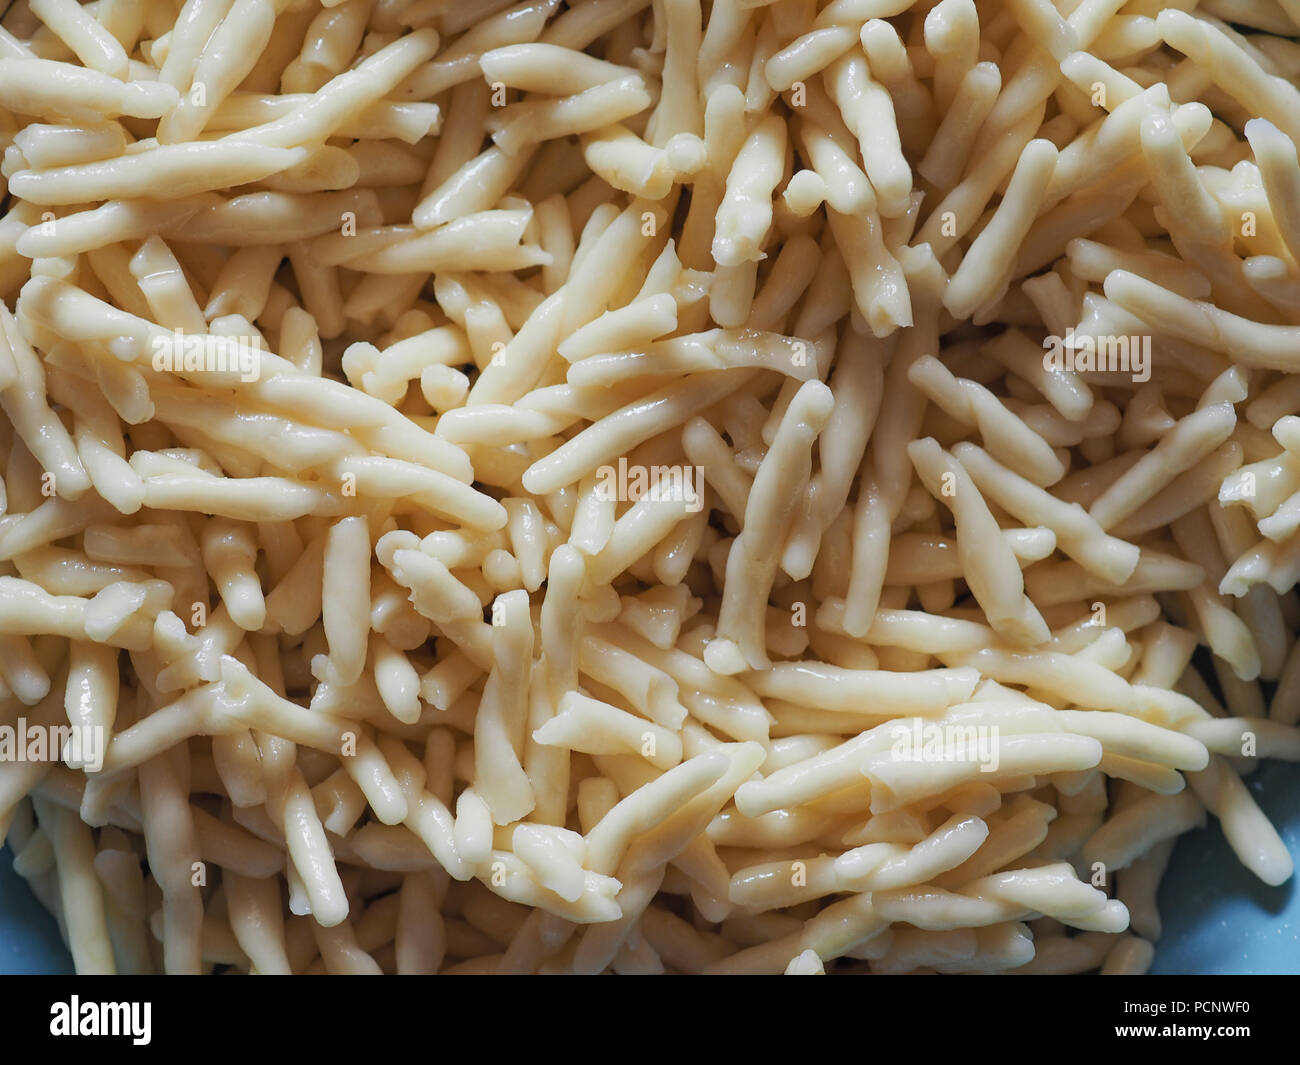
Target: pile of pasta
x=505, y=482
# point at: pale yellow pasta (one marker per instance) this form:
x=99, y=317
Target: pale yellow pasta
x=643, y=486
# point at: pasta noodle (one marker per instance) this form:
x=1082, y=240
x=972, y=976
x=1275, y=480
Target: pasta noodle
x=702, y=487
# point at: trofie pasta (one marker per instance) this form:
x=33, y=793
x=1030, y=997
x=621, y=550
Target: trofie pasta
x=726, y=486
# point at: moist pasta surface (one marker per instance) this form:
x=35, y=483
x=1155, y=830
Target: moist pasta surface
x=644, y=487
